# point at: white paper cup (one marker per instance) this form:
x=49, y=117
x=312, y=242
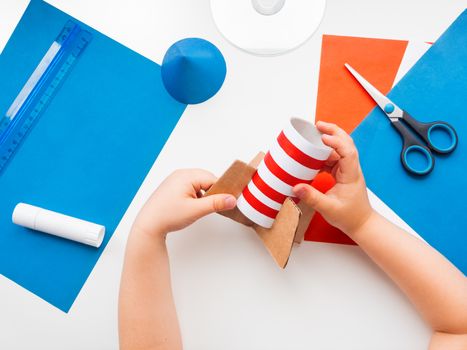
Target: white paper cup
x=296, y=156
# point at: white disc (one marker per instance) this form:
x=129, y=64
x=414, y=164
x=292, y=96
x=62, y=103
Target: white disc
x=267, y=27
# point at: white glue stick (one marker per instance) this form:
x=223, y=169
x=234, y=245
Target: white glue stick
x=58, y=224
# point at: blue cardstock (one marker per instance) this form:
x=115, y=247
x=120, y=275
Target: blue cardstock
x=87, y=155
x=433, y=205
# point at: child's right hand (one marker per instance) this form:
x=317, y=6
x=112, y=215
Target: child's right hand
x=346, y=205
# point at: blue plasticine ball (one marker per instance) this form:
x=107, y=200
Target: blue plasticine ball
x=193, y=70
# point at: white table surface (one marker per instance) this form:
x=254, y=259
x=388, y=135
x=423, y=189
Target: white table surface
x=228, y=291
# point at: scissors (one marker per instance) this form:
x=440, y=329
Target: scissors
x=413, y=147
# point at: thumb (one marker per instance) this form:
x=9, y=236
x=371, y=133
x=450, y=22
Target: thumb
x=313, y=198
x=214, y=203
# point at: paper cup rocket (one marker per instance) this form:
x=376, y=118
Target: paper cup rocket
x=296, y=156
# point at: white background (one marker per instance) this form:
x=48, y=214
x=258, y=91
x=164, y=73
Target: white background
x=228, y=291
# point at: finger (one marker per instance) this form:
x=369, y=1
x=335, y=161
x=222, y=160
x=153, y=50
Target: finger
x=214, y=203
x=327, y=128
x=342, y=145
x=333, y=130
x=331, y=162
x=333, y=159
x=201, y=179
x=348, y=163
x=334, y=156
x=313, y=198
x=331, y=170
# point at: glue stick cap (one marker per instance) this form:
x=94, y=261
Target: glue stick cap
x=25, y=215
x=57, y=224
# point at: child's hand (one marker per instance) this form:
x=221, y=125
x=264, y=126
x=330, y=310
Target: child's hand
x=147, y=316
x=176, y=203
x=346, y=205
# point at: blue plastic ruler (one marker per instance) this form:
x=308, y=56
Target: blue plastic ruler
x=40, y=88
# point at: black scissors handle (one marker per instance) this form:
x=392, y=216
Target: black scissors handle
x=427, y=132
x=412, y=149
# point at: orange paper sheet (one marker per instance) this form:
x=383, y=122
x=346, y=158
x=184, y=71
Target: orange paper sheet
x=341, y=102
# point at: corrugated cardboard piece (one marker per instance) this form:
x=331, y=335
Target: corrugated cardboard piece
x=290, y=224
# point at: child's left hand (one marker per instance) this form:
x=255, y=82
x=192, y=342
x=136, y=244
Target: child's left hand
x=177, y=203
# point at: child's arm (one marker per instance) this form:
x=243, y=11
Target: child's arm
x=147, y=315
x=431, y=282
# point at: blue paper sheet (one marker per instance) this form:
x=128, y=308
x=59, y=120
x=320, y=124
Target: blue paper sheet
x=434, y=205
x=87, y=155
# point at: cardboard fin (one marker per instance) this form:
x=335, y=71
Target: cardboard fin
x=233, y=181
x=256, y=160
x=304, y=223
x=280, y=237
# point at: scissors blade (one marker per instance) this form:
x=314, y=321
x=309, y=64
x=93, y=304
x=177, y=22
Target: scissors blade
x=392, y=111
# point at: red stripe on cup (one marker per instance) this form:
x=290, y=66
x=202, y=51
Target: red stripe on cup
x=268, y=190
x=297, y=154
x=281, y=173
x=258, y=205
x=254, y=215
